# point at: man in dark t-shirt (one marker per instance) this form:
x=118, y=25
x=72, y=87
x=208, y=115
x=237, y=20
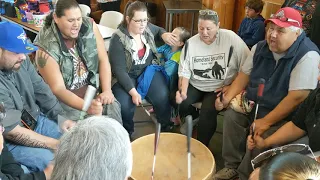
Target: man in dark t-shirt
x=305, y=123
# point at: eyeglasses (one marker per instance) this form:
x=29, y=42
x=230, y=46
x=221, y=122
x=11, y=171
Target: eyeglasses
x=208, y=12
x=267, y=155
x=140, y=21
x=285, y=19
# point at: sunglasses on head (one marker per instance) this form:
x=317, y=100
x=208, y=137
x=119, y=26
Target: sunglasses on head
x=285, y=19
x=208, y=12
x=266, y=156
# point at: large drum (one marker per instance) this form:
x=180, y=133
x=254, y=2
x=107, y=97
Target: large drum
x=171, y=162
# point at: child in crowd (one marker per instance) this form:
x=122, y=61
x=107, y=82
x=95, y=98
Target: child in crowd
x=171, y=56
x=252, y=28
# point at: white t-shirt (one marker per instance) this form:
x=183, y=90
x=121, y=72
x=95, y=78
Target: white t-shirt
x=304, y=75
x=205, y=65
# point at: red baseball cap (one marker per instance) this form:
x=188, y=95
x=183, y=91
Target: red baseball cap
x=286, y=17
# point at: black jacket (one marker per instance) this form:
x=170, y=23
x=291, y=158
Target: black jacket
x=307, y=118
x=10, y=169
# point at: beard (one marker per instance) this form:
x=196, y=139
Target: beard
x=18, y=67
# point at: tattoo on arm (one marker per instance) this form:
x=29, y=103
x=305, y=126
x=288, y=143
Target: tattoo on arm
x=42, y=58
x=25, y=140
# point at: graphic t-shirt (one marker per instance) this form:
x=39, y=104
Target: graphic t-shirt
x=205, y=65
x=80, y=71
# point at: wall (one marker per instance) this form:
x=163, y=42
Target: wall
x=231, y=12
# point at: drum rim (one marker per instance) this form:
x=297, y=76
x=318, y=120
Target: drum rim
x=167, y=133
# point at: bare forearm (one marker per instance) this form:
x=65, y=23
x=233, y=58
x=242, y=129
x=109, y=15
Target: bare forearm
x=237, y=85
x=105, y=75
x=183, y=84
x=286, y=106
x=286, y=134
x=69, y=98
x=133, y=92
x=26, y=137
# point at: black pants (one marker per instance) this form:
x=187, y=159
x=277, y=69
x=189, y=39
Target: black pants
x=158, y=96
x=208, y=115
x=110, y=6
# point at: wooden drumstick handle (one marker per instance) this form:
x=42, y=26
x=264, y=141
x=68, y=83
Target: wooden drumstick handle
x=156, y=142
x=189, y=134
x=225, y=74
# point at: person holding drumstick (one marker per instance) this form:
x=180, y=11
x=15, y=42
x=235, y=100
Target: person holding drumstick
x=202, y=70
x=288, y=61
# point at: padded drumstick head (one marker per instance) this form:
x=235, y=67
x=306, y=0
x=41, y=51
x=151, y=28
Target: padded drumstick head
x=261, y=87
x=91, y=91
x=189, y=130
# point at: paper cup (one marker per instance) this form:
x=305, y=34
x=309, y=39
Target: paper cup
x=39, y=19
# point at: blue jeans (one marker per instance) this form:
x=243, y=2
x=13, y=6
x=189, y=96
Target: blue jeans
x=36, y=159
x=158, y=96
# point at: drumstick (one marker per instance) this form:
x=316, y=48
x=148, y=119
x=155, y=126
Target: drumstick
x=189, y=133
x=156, y=142
x=148, y=113
x=88, y=97
x=259, y=96
x=225, y=74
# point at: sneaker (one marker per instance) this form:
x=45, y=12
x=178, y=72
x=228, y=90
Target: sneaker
x=226, y=173
x=151, y=110
x=183, y=128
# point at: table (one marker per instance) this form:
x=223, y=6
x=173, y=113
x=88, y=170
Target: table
x=180, y=7
x=24, y=25
x=106, y=32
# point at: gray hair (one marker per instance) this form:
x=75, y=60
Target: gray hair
x=295, y=29
x=97, y=148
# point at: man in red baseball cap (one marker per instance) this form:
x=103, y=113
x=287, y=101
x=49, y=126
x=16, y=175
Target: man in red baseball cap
x=287, y=62
x=286, y=20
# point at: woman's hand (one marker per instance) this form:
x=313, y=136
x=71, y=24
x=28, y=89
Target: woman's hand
x=180, y=96
x=170, y=39
x=106, y=97
x=136, y=99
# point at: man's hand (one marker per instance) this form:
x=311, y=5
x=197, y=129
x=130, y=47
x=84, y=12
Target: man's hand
x=106, y=97
x=259, y=142
x=170, y=39
x=224, y=89
x=261, y=126
x=250, y=143
x=48, y=171
x=225, y=100
x=95, y=108
x=180, y=96
x=67, y=125
x=136, y=99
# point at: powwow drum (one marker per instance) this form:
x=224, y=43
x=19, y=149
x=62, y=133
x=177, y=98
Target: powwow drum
x=171, y=158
